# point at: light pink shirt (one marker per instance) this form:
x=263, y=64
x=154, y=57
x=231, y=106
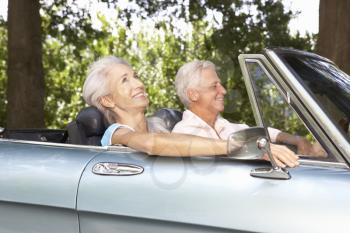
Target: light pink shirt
x=194, y=125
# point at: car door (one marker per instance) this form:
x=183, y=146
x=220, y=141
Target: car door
x=209, y=195
x=204, y=194
x=38, y=186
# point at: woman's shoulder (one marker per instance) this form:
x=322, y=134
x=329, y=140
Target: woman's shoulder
x=107, y=136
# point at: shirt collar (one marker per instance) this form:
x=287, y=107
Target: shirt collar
x=219, y=125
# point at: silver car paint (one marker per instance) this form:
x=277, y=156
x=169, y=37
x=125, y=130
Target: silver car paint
x=38, y=186
x=207, y=192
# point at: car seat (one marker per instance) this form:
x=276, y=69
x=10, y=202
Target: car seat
x=87, y=128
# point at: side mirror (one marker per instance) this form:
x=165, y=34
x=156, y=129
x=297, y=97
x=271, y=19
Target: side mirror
x=255, y=144
x=247, y=138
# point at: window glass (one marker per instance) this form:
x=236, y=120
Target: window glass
x=277, y=113
x=329, y=86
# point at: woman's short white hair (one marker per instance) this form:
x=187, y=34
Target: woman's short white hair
x=97, y=83
x=188, y=76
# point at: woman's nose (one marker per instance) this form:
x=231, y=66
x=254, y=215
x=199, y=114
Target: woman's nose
x=137, y=83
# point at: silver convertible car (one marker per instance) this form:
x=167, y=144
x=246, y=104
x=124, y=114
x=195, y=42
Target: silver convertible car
x=63, y=181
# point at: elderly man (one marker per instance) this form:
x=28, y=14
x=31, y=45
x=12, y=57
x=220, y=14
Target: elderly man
x=200, y=90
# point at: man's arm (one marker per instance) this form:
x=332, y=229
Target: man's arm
x=303, y=145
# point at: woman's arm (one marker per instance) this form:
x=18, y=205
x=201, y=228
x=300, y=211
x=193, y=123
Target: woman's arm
x=167, y=144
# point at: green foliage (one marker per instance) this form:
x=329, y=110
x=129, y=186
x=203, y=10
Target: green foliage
x=249, y=27
x=245, y=27
x=275, y=110
x=156, y=50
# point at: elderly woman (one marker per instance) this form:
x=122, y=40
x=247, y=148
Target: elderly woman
x=115, y=89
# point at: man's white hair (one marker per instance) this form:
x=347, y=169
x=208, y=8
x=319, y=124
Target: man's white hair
x=188, y=76
x=97, y=83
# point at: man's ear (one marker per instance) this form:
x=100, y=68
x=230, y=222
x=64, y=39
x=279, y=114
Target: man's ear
x=192, y=95
x=107, y=101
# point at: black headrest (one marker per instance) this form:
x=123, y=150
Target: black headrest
x=87, y=128
x=92, y=121
x=169, y=117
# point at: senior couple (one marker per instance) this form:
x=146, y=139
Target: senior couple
x=115, y=89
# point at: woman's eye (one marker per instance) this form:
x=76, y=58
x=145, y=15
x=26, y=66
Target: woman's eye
x=124, y=79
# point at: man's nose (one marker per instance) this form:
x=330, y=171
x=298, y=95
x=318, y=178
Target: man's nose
x=222, y=89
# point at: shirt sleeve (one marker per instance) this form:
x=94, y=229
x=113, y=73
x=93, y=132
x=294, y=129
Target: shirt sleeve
x=178, y=128
x=107, y=136
x=273, y=133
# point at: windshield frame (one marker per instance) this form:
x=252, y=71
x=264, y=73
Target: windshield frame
x=326, y=83
x=324, y=126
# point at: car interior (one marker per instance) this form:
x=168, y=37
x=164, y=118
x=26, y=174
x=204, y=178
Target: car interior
x=88, y=128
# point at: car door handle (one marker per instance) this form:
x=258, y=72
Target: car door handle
x=116, y=169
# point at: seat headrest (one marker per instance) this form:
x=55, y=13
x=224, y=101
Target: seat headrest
x=92, y=120
x=169, y=117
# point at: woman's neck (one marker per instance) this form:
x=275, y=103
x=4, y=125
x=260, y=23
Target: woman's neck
x=137, y=120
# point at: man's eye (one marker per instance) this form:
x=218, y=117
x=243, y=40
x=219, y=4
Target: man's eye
x=125, y=79
x=136, y=76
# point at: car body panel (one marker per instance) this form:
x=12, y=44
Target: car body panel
x=194, y=193
x=42, y=175
x=28, y=218
x=40, y=182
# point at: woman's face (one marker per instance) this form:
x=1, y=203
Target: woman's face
x=127, y=90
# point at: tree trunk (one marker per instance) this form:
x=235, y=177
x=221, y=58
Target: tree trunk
x=25, y=86
x=334, y=32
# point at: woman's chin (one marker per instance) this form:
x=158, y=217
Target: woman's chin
x=142, y=104
x=146, y=102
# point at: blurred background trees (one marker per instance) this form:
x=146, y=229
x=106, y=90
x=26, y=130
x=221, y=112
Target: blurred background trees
x=334, y=33
x=25, y=85
x=156, y=37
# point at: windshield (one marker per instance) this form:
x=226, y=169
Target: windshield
x=329, y=86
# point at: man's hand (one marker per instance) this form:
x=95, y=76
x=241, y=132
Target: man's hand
x=283, y=156
x=318, y=151
x=303, y=145
x=311, y=150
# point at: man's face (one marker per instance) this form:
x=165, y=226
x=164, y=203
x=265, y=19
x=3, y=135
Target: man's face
x=210, y=92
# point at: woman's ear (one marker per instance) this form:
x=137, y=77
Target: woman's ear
x=192, y=95
x=107, y=101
